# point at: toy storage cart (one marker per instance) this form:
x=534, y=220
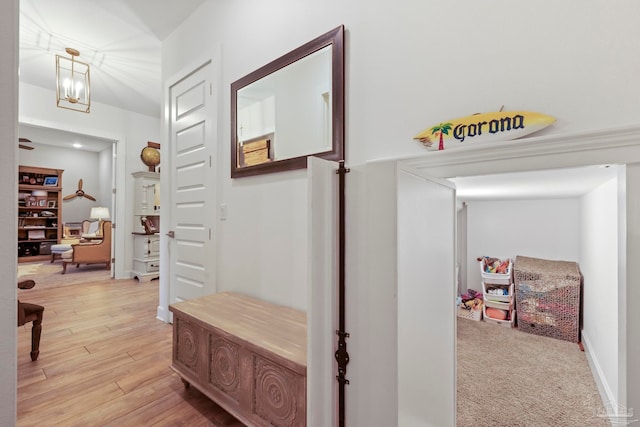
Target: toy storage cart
x=498, y=292
x=548, y=297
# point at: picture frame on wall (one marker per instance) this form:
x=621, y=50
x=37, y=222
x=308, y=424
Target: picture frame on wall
x=50, y=181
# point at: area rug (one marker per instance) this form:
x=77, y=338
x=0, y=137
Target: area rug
x=26, y=269
x=507, y=377
x=49, y=275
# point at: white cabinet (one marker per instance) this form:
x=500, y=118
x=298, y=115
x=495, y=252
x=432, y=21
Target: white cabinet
x=146, y=199
x=146, y=258
x=146, y=241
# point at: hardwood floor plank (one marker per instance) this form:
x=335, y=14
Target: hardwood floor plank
x=104, y=360
x=57, y=406
x=31, y=376
x=119, y=408
x=159, y=345
x=146, y=371
x=70, y=382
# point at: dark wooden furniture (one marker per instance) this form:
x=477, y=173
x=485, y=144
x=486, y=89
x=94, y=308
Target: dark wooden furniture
x=28, y=312
x=39, y=212
x=247, y=355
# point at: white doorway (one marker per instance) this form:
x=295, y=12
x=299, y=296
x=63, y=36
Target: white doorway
x=99, y=180
x=568, y=214
x=620, y=146
x=189, y=186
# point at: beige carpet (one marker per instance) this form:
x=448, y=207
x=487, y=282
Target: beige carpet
x=511, y=378
x=48, y=275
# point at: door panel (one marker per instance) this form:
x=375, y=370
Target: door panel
x=426, y=301
x=192, y=267
x=321, y=310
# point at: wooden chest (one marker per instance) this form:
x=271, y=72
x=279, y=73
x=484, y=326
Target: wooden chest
x=247, y=355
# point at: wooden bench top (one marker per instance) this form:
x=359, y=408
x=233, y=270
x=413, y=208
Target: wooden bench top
x=278, y=329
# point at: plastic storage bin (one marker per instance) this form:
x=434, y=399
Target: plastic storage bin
x=509, y=322
x=488, y=296
x=470, y=314
x=496, y=278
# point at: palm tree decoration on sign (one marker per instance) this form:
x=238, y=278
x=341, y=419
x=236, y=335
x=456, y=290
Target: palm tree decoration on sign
x=442, y=128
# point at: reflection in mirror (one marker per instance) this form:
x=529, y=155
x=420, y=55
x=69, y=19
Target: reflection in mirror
x=302, y=113
x=290, y=109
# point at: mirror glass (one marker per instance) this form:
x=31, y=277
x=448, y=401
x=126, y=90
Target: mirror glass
x=289, y=109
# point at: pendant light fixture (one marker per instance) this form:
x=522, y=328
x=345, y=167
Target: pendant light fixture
x=73, y=82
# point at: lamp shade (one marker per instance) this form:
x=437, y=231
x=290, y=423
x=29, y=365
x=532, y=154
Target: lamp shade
x=99, y=213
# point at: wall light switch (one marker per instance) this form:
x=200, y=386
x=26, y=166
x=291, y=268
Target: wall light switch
x=223, y=211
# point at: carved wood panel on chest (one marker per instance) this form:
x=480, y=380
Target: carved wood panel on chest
x=247, y=355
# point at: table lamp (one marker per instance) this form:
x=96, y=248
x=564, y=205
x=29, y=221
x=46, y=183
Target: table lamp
x=99, y=213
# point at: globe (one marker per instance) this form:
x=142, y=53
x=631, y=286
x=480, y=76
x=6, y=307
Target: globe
x=151, y=157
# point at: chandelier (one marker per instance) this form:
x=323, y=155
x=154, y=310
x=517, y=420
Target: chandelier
x=72, y=82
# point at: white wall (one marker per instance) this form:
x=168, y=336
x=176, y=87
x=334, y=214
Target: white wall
x=629, y=271
x=406, y=71
x=548, y=229
x=8, y=211
x=598, y=263
x=76, y=164
x=395, y=86
x=107, y=180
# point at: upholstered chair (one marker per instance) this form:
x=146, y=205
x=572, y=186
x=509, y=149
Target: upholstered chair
x=93, y=252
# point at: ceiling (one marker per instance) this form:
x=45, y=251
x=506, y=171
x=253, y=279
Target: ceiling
x=62, y=139
x=120, y=39
x=547, y=184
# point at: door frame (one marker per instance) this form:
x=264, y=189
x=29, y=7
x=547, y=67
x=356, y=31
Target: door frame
x=118, y=177
x=619, y=145
x=425, y=354
x=322, y=310
x=209, y=56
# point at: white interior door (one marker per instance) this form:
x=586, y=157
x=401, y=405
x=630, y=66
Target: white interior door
x=193, y=186
x=426, y=300
x=321, y=307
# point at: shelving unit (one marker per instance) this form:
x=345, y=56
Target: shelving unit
x=146, y=242
x=498, y=293
x=39, y=212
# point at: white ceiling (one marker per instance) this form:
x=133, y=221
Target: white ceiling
x=120, y=39
x=547, y=184
x=63, y=139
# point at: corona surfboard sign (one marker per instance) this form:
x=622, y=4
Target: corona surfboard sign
x=483, y=127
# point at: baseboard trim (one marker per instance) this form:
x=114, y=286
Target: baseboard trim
x=163, y=315
x=601, y=382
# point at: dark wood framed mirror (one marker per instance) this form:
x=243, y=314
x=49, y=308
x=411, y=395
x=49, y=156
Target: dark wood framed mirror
x=289, y=109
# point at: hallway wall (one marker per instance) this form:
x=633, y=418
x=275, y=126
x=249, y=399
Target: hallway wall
x=8, y=211
x=409, y=66
x=598, y=261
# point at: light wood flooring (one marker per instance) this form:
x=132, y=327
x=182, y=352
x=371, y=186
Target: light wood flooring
x=104, y=361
